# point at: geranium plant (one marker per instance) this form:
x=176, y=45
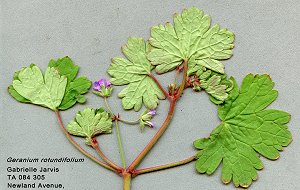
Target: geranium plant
x=193, y=49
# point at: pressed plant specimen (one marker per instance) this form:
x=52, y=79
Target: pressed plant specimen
x=193, y=49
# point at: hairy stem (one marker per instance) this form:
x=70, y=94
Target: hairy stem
x=162, y=167
x=120, y=144
x=79, y=148
x=102, y=155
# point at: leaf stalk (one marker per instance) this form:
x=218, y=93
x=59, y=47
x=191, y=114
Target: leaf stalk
x=159, y=133
x=77, y=146
x=104, y=157
x=162, y=167
x=159, y=85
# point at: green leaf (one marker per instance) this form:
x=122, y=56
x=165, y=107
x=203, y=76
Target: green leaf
x=16, y=95
x=65, y=66
x=90, y=123
x=191, y=38
x=74, y=92
x=215, y=84
x=75, y=87
x=135, y=71
x=214, y=88
x=42, y=90
x=247, y=128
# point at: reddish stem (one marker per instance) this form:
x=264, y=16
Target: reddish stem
x=126, y=180
x=182, y=86
x=159, y=85
x=102, y=155
x=159, y=133
x=154, y=139
x=162, y=167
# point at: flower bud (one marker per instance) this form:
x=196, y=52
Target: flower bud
x=172, y=89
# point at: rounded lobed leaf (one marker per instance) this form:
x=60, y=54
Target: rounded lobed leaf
x=90, y=123
x=246, y=129
x=57, y=89
x=191, y=38
x=76, y=87
x=32, y=87
x=135, y=71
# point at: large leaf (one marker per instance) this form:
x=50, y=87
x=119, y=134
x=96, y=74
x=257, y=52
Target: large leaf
x=247, y=128
x=191, y=38
x=42, y=90
x=89, y=123
x=134, y=71
x=75, y=87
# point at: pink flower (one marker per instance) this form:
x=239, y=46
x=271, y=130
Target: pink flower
x=152, y=112
x=102, y=88
x=146, y=117
x=101, y=83
x=150, y=124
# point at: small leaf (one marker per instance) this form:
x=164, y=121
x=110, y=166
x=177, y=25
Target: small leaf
x=216, y=90
x=134, y=71
x=216, y=85
x=90, y=123
x=74, y=92
x=246, y=129
x=191, y=38
x=75, y=87
x=81, y=99
x=42, y=90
